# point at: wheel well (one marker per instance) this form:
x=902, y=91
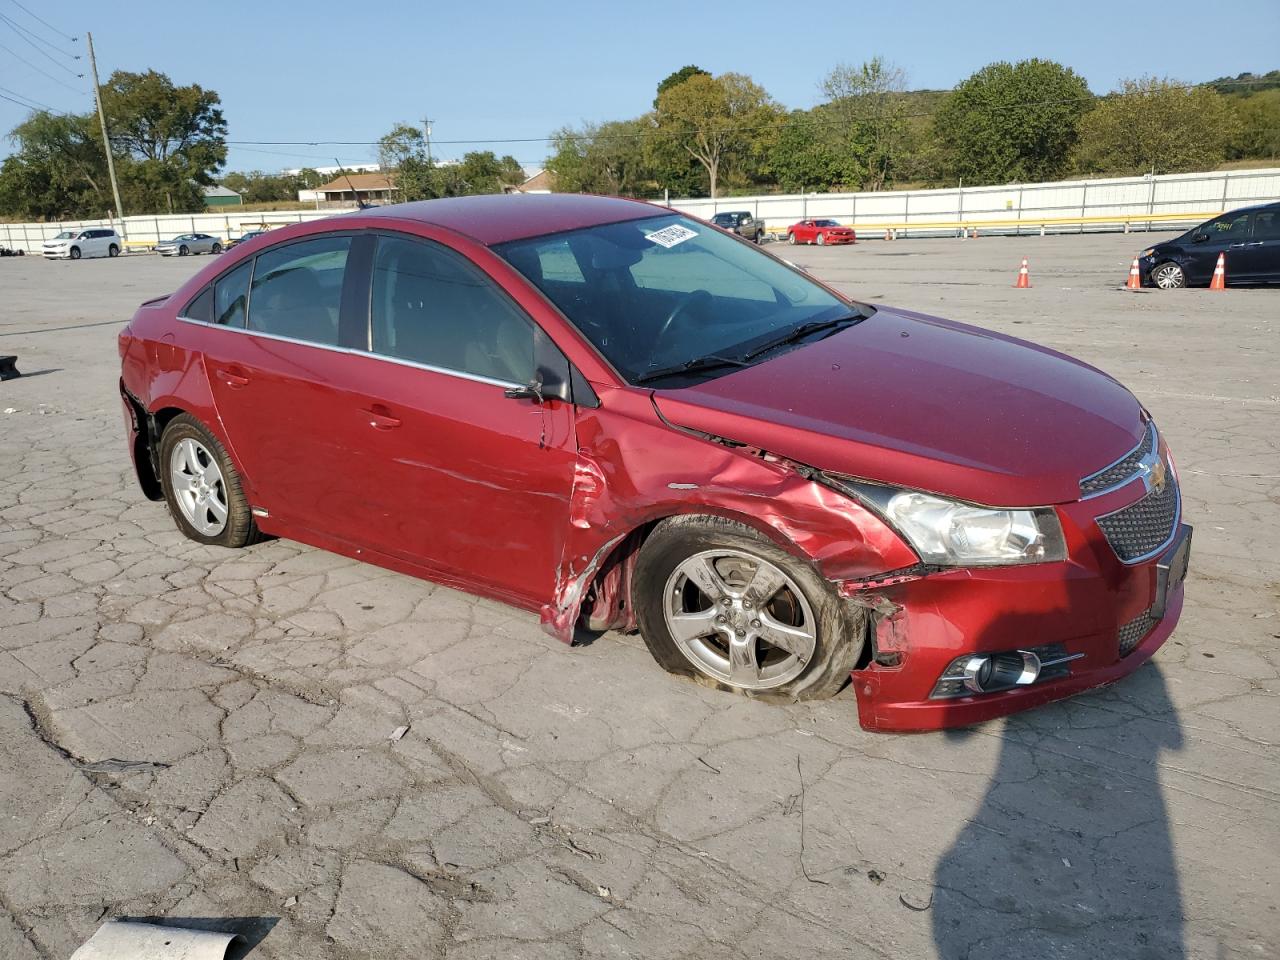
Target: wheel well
x=609, y=602
x=147, y=446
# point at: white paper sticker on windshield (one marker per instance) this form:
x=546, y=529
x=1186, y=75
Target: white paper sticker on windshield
x=670, y=236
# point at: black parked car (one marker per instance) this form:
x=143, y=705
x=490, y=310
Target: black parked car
x=1250, y=238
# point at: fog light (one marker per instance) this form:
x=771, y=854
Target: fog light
x=1001, y=671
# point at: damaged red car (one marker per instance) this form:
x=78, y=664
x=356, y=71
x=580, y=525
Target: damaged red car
x=621, y=418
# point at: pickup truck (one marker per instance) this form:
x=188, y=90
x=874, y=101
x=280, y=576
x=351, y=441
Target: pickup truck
x=740, y=222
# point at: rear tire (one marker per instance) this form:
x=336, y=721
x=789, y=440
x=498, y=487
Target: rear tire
x=216, y=248
x=823, y=635
x=189, y=452
x=113, y=251
x=791, y=238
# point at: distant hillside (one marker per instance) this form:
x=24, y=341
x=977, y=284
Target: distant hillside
x=1246, y=83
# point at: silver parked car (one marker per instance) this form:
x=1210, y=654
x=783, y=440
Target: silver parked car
x=189, y=243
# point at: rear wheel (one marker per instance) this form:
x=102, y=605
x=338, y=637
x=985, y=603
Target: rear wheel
x=202, y=487
x=113, y=251
x=216, y=248
x=791, y=238
x=718, y=601
x=1168, y=276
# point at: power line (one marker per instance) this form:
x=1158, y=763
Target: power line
x=37, y=105
x=27, y=35
x=40, y=19
x=38, y=70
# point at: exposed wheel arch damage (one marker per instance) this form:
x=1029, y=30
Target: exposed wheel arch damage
x=627, y=481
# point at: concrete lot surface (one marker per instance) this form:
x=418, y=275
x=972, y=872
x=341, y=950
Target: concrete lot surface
x=192, y=732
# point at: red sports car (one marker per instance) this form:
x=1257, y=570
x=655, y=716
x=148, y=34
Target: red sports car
x=621, y=418
x=821, y=232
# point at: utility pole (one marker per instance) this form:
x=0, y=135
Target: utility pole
x=426, y=129
x=106, y=140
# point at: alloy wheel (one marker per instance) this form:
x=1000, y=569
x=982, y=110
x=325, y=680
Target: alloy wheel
x=1169, y=276
x=740, y=619
x=198, y=487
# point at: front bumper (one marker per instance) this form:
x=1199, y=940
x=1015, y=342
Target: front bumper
x=1084, y=605
x=835, y=239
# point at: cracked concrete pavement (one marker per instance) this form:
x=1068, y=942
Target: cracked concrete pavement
x=188, y=731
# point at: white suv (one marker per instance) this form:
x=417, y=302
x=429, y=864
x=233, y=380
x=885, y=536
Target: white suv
x=83, y=243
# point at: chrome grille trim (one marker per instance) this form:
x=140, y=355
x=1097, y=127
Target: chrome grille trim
x=1117, y=474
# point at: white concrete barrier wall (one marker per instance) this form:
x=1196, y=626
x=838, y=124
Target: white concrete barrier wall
x=150, y=230
x=1109, y=204
x=1031, y=206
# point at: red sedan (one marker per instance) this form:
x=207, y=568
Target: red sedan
x=621, y=418
x=821, y=232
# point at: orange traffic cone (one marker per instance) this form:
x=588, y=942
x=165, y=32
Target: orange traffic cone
x=1024, y=278
x=886, y=234
x=973, y=234
x=1219, y=281
x=1135, y=277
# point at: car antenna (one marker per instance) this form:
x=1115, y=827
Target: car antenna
x=360, y=204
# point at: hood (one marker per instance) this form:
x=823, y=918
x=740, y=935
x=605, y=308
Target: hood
x=915, y=401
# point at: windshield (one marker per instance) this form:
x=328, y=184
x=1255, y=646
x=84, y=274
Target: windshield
x=64, y=235
x=664, y=292
x=826, y=223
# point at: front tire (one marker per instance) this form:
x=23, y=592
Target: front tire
x=183, y=251
x=1168, y=276
x=718, y=601
x=75, y=253
x=202, y=486
x=822, y=240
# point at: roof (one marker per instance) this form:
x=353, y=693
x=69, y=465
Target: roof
x=219, y=191
x=499, y=217
x=358, y=182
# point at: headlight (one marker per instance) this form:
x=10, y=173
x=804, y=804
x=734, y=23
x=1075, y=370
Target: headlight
x=950, y=533
x=1147, y=252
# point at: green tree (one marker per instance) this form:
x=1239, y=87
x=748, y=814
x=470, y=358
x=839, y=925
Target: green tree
x=403, y=151
x=715, y=120
x=172, y=138
x=604, y=158
x=1012, y=122
x=1156, y=125
x=57, y=170
x=805, y=156
x=680, y=76
x=1258, y=126
x=868, y=104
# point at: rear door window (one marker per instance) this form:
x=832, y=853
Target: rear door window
x=1266, y=225
x=430, y=306
x=297, y=290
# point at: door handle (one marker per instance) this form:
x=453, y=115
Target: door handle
x=1235, y=246
x=380, y=418
x=232, y=379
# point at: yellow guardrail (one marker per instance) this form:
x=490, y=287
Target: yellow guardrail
x=1024, y=222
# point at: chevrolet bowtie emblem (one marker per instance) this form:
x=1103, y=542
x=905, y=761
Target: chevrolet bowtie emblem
x=1154, y=473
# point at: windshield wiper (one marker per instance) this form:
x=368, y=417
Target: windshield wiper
x=710, y=362
x=799, y=333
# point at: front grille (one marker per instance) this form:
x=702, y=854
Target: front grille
x=1131, y=633
x=1139, y=530
x=1124, y=469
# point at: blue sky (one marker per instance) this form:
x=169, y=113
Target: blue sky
x=349, y=71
